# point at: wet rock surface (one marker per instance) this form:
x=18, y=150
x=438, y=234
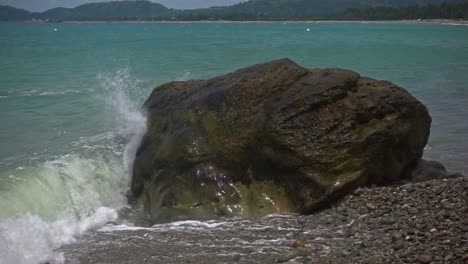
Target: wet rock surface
x=426, y=170
x=273, y=137
x=415, y=223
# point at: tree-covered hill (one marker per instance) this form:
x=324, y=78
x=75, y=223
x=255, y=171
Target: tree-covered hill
x=8, y=13
x=252, y=10
x=297, y=9
x=443, y=11
x=117, y=10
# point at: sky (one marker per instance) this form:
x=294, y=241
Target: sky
x=41, y=5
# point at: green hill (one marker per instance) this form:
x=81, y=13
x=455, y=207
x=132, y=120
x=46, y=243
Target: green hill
x=297, y=9
x=117, y=10
x=8, y=13
x=444, y=11
x=251, y=10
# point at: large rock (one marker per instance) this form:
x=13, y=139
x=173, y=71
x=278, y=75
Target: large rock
x=273, y=137
x=426, y=170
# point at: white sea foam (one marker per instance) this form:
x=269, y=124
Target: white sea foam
x=179, y=225
x=455, y=24
x=50, y=204
x=185, y=77
x=196, y=224
x=30, y=239
x=58, y=92
x=36, y=92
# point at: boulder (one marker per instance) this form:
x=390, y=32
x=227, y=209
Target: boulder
x=273, y=137
x=426, y=170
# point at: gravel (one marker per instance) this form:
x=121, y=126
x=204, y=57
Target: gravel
x=414, y=223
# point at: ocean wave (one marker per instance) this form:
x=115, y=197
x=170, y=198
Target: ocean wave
x=37, y=92
x=49, y=201
x=70, y=185
x=50, y=204
x=30, y=239
x=58, y=92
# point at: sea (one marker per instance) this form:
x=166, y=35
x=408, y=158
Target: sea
x=71, y=96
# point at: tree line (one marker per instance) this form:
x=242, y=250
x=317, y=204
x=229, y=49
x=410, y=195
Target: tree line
x=443, y=11
x=254, y=10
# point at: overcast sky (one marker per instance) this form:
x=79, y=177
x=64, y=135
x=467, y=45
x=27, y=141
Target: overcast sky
x=41, y=5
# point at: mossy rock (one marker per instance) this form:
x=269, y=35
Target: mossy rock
x=273, y=137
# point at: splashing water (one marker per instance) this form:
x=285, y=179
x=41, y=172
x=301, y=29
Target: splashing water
x=130, y=120
x=30, y=239
x=48, y=204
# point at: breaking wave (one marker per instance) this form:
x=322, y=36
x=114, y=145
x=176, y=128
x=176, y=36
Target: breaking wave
x=50, y=203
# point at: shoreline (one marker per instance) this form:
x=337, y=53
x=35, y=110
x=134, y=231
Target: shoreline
x=418, y=21
x=413, y=223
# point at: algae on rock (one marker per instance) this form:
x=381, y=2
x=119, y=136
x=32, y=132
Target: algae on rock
x=273, y=137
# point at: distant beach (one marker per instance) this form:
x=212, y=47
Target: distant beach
x=414, y=21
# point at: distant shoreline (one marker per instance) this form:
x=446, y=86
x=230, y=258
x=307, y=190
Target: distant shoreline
x=422, y=21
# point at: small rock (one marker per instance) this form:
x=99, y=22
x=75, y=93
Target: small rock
x=292, y=255
x=359, y=191
x=446, y=242
x=396, y=236
x=409, y=187
x=360, y=244
x=387, y=221
x=341, y=209
x=398, y=245
x=299, y=243
x=284, y=258
x=424, y=259
x=445, y=214
x=448, y=257
x=448, y=205
x=345, y=253
x=371, y=206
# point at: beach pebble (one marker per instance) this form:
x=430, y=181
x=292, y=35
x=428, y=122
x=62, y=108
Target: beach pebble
x=299, y=243
x=396, y=236
x=359, y=191
x=424, y=259
x=371, y=206
x=386, y=234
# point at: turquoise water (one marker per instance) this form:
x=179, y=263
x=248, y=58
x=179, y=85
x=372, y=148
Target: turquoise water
x=70, y=97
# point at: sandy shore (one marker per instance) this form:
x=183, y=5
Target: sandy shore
x=422, y=21
x=414, y=223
